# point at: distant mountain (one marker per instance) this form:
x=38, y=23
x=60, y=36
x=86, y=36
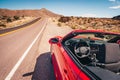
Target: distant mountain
x=116, y=17
x=36, y=13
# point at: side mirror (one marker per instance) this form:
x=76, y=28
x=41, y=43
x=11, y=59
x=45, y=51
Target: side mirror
x=53, y=40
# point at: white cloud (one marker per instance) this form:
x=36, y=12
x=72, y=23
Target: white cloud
x=89, y=15
x=112, y=0
x=115, y=7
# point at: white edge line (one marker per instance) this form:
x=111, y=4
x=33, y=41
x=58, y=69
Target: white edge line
x=9, y=76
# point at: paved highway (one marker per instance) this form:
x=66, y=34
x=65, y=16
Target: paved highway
x=15, y=46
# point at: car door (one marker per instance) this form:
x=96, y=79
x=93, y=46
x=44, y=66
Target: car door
x=61, y=66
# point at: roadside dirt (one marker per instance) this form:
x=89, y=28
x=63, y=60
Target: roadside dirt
x=14, y=23
x=44, y=69
x=52, y=30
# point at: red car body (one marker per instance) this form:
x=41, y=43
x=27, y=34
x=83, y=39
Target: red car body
x=65, y=65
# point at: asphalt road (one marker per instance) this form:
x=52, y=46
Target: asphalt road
x=15, y=46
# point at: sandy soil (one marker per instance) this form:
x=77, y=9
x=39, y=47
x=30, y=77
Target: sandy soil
x=52, y=30
x=44, y=68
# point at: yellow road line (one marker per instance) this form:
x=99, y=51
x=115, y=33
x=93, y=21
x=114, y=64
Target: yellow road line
x=10, y=32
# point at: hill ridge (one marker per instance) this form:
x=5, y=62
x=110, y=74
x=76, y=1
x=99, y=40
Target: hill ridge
x=43, y=12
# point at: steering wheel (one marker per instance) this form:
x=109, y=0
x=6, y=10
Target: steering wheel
x=118, y=41
x=82, y=49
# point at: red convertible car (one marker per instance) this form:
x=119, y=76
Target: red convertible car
x=86, y=55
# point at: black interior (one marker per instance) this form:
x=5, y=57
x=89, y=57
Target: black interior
x=103, y=54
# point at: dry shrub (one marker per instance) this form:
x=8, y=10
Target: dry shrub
x=3, y=25
x=64, y=19
x=74, y=27
x=59, y=24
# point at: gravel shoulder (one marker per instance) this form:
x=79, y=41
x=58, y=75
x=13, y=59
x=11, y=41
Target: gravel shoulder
x=52, y=30
x=44, y=69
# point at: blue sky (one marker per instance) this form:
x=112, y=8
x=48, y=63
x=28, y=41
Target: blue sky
x=88, y=8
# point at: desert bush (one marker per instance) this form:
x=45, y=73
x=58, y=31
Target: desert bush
x=3, y=25
x=59, y=24
x=9, y=20
x=16, y=17
x=74, y=27
x=64, y=19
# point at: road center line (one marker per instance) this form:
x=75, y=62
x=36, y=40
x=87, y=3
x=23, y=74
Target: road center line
x=10, y=75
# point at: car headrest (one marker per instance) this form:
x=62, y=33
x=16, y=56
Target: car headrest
x=112, y=53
